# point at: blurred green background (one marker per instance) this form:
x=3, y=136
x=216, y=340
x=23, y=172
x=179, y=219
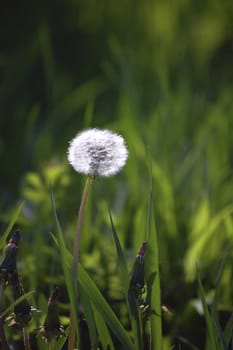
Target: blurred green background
x=158, y=72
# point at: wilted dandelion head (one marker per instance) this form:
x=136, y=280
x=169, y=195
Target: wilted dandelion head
x=97, y=152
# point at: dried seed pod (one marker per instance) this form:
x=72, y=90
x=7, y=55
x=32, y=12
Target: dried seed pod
x=8, y=268
x=137, y=279
x=52, y=329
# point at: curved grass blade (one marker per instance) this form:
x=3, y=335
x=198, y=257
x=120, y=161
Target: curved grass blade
x=66, y=265
x=61, y=341
x=120, y=258
x=90, y=289
x=16, y=302
x=228, y=333
x=209, y=323
x=97, y=322
x=221, y=344
x=102, y=306
x=129, y=293
x=89, y=316
x=104, y=335
x=11, y=224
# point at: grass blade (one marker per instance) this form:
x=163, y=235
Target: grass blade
x=89, y=316
x=95, y=296
x=214, y=306
x=16, y=302
x=60, y=342
x=11, y=224
x=219, y=333
x=153, y=279
x=104, y=335
x=120, y=258
x=228, y=333
x=102, y=306
x=66, y=265
x=209, y=323
x=130, y=296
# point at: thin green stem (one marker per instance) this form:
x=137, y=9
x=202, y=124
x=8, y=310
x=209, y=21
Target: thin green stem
x=51, y=345
x=72, y=335
x=26, y=339
x=78, y=230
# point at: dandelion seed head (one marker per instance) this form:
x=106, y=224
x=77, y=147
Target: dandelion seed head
x=97, y=153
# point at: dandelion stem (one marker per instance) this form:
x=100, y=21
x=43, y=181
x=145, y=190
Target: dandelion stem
x=51, y=345
x=78, y=230
x=26, y=339
x=3, y=339
x=76, y=245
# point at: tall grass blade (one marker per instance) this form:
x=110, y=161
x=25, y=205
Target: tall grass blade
x=102, y=306
x=120, y=258
x=66, y=265
x=89, y=316
x=95, y=296
x=134, y=313
x=221, y=344
x=103, y=331
x=152, y=275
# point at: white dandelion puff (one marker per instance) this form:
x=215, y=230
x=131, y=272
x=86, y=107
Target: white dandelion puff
x=97, y=153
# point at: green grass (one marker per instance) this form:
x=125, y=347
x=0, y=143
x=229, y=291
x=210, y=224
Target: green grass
x=159, y=73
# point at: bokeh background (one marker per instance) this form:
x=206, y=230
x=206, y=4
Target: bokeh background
x=158, y=72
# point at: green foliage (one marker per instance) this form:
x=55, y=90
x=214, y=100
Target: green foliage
x=159, y=73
